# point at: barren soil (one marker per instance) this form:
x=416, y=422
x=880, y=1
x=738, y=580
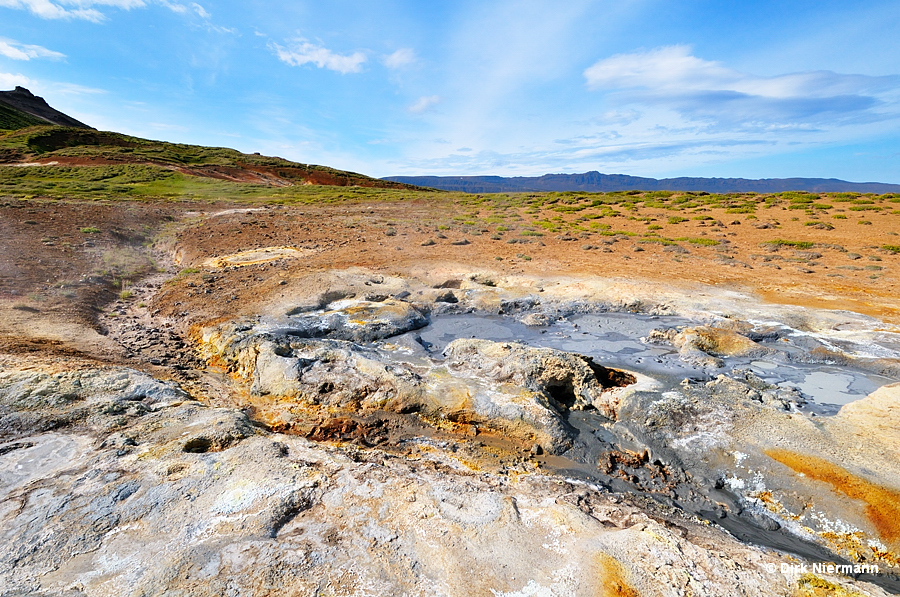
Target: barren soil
x=135, y=284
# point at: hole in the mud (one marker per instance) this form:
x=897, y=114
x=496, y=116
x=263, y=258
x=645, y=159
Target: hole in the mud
x=326, y=387
x=283, y=351
x=611, y=378
x=563, y=394
x=197, y=445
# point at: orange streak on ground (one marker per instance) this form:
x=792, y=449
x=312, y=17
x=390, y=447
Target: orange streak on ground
x=614, y=578
x=882, y=503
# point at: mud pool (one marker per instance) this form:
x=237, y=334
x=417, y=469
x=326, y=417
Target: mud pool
x=619, y=340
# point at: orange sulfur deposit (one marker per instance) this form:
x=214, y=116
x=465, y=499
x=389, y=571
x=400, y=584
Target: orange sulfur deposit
x=882, y=503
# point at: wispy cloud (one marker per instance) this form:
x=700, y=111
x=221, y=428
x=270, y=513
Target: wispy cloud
x=10, y=80
x=424, y=103
x=695, y=87
x=400, y=58
x=16, y=51
x=304, y=52
x=92, y=10
x=201, y=12
x=71, y=9
x=74, y=89
x=200, y=15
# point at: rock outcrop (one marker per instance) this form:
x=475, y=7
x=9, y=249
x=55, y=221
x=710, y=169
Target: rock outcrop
x=563, y=380
x=168, y=503
x=521, y=391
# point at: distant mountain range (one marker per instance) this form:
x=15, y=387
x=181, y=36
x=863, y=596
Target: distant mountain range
x=597, y=182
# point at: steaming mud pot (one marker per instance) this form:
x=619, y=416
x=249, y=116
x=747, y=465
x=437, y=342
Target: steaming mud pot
x=379, y=435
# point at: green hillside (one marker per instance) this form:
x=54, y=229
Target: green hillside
x=12, y=119
x=85, y=163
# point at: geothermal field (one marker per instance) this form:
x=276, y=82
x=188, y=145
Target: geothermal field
x=227, y=374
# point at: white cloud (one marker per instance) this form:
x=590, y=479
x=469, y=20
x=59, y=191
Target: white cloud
x=195, y=9
x=88, y=9
x=668, y=68
x=174, y=6
x=74, y=89
x=9, y=81
x=304, y=52
x=423, y=103
x=673, y=70
x=400, y=58
x=17, y=51
x=201, y=12
x=70, y=9
x=705, y=90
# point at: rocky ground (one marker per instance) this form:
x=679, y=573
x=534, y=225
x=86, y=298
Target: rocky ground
x=222, y=399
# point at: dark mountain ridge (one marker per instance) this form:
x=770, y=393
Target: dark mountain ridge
x=22, y=100
x=596, y=182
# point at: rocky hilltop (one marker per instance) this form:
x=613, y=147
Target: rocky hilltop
x=212, y=386
x=23, y=101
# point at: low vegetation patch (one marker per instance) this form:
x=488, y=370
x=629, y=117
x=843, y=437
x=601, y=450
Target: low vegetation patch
x=796, y=244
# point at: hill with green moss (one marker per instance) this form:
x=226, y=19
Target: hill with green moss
x=42, y=159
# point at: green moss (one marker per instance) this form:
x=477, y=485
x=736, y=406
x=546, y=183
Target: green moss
x=706, y=242
x=797, y=244
x=12, y=119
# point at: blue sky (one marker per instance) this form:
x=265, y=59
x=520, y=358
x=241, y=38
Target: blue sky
x=643, y=87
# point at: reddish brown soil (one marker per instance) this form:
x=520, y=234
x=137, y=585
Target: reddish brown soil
x=389, y=237
x=48, y=265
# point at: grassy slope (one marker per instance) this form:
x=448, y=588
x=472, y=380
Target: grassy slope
x=130, y=167
x=10, y=118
